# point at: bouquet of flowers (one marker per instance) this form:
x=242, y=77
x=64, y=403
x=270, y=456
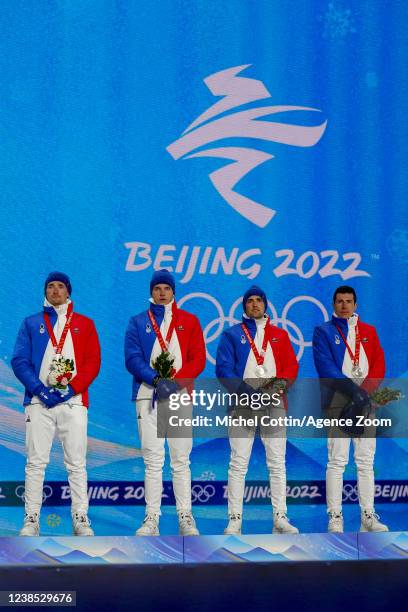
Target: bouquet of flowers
x=163, y=364
x=380, y=397
x=277, y=385
x=384, y=396
x=61, y=370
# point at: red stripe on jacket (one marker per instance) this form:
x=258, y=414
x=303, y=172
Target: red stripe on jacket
x=87, y=354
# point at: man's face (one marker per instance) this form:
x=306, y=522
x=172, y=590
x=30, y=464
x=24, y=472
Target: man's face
x=255, y=307
x=162, y=294
x=344, y=305
x=56, y=293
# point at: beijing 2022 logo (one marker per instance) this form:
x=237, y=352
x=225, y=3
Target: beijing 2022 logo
x=209, y=127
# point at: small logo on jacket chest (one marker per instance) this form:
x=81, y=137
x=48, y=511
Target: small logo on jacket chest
x=76, y=330
x=336, y=339
x=243, y=339
x=364, y=340
x=42, y=328
x=180, y=328
x=148, y=329
x=274, y=340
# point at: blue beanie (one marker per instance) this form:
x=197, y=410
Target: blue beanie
x=162, y=277
x=58, y=276
x=254, y=290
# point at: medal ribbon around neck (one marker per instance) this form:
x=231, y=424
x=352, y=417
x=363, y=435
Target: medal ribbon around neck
x=60, y=345
x=164, y=344
x=260, y=357
x=355, y=357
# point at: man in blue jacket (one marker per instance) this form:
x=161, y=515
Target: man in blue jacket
x=348, y=356
x=56, y=357
x=163, y=328
x=251, y=354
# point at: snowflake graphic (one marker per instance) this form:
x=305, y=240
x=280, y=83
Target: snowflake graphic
x=337, y=22
x=53, y=520
x=207, y=476
x=397, y=244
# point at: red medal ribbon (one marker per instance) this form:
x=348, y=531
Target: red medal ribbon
x=355, y=357
x=163, y=343
x=60, y=345
x=259, y=358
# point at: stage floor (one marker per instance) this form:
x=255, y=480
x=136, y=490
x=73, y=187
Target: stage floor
x=211, y=519
x=162, y=550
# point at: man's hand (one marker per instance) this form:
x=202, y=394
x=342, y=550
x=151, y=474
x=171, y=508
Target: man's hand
x=47, y=396
x=360, y=405
x=246, y=390
x=165, y=387
x=352, y=412
x=63, y=395
x=361, y=399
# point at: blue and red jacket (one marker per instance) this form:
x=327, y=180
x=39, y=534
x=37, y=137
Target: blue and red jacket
x=330, y=356
x=31, y=344
x=140, y=339
x=234, y=349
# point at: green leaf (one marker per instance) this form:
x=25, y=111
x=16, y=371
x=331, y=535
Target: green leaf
x=163, y=364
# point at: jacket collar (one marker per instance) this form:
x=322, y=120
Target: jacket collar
x=159, y=309
x=251, y=323
x=345, y=323
x=58, y=310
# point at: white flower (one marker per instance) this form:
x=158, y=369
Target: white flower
x=52, y=378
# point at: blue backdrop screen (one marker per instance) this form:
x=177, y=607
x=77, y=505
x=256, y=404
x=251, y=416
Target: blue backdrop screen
x=232, y=142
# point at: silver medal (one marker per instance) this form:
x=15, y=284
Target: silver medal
x=260, y=371
x=357, y=371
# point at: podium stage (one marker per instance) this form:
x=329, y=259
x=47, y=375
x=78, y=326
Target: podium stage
x=332, y=571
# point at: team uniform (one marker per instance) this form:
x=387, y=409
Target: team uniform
x=142, y=347
x=33, y=355
x=236, y=362
x=335, y=346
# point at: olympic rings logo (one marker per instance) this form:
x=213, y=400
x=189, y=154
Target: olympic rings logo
x=350, y=492
x=214, y=328
x=53, y=520
x=46, y=493
x=202, y=493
